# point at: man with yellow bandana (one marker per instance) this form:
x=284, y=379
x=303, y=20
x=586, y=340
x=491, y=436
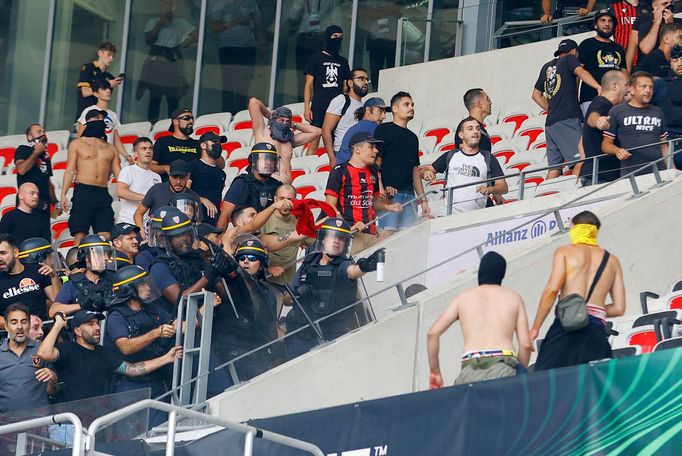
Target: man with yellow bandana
x=573, y=271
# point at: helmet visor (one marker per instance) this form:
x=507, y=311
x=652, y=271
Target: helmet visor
x=98, y=257
x=333, y=243
x=190, y=208
x=181, y=243
x=147, y=290
x=55, y=260
x=265, y=163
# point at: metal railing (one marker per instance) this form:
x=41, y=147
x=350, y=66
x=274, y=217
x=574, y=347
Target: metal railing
x=77, y=449
x=448, y=191
x=536, y=26
x=251, y=433
x=398, y=285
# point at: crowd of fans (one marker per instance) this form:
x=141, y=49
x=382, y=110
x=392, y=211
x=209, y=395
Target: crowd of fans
x=176, y=233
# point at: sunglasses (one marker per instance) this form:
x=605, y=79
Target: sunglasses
x=248, y=257
x=186, y=118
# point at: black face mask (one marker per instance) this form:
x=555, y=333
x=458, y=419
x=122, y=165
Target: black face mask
x=188, y=130
x=95, y=129
x=215, y=151
x=492, y=269
x=333, y=45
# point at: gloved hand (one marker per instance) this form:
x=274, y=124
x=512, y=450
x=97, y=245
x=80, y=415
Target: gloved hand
x=219, y=266
x=369, y=264
x=305, y=292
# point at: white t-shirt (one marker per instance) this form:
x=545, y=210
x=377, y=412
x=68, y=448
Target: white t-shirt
x=464, y=169
x=140, y=181
x=346, y=121
x=173, y=34
x=110, y=121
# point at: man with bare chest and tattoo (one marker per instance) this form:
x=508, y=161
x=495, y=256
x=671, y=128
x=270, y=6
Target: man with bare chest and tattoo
x=92, y=160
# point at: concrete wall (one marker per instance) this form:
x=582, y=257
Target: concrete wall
x=389, y=357
x=507, y=75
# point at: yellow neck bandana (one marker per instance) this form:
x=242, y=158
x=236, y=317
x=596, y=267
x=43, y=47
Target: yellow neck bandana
x=583, y=234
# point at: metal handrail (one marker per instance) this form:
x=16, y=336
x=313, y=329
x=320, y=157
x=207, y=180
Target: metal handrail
x=559, y=24
x=77, y=448
x=477, y=248
x=250, y=432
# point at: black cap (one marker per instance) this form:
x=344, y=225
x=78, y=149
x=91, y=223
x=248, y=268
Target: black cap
x=177, y=113
x=94, y=113
x=210, y=136
x=363, y=136
x=605, y=12
x=376, y=102
x=204, y=229
x=123, y=228
x=179, y=168
x=676, y=52
x=84, y=316
x=565, y=46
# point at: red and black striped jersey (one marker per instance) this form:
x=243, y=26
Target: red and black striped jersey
x=355, y=189
x=626, y=13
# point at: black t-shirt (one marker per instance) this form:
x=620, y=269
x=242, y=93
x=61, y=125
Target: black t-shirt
x=90, y=72
x=329, y=73
x=160, y=195
x=636, y=127
x=22, y=225
x=85, y=373
x=39, y=174
x=400, y=154
x=27, y=288
x=598, y=57
x=557, y=82
x=169, y=148
x=483, y=145
x=609, y=167
x=655, y=63
x=643, y=25
x=207, y=181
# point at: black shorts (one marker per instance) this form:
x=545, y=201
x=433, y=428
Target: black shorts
x=318, y=115
x=91, y=206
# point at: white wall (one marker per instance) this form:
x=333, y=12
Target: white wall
x=386, y=358
x=507, y=75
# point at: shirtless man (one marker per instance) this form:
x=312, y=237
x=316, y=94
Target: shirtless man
x=573, y=271
x=92, y=160
x=246, y=220
x=490, y=315
x=280, y=132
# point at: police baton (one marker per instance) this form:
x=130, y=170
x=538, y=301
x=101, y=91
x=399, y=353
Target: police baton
x=316, y=328
x=213, y=248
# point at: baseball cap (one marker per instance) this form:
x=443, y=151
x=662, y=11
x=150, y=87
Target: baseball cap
x=84, y=316
x=210, y=136
x=177, y=113
x=376, y=102
x=676, y=52
x=94, y=113
x=204, y=229
x=178, y=168
x=565, y=46
x=123, y=228
x=363, y=136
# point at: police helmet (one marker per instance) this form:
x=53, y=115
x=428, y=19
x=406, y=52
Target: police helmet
x=133, y=282
x=179, y=233
x=153, y=226
x=96, y=252
x=187, y=205
x=263, y=158
x=34, y=250
x=334, y=238
x=605, y=12
x=121, y=259
x=72, y=260
x=252, y=248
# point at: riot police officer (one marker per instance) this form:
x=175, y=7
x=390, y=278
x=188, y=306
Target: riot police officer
x=256, y=188
x=153, y=246
x=39, y=252
x=325, y=283
x=257, y=309
x=140, y=330
x=187, y=205
x=87, y=290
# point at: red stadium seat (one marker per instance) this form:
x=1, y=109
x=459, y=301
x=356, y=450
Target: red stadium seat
x=66, y=244
x=243, y=125
x=321, y=152
x=495, y=139
x=323, y=169
x=239, y=163
x=129, y=139
x=445, y=148
x=208, y=128
x=5, y=210
x=59, y=165
x=58, y=228
x=161, y=134
x=6, y=191
x=438, y=133
x=644, y=338
x=304, y=190
x=516, y=119
x=537, y=180
x=505, y=154
x=519, y=166
x=8, y=154
x=675, y=303
x=297, y=172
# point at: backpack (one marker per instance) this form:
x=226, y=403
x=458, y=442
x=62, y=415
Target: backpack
x=346, y=105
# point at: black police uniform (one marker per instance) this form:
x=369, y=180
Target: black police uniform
x=321, y=291
x=257, y=194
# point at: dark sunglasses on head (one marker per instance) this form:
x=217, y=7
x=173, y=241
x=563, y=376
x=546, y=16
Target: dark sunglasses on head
x=248, y=257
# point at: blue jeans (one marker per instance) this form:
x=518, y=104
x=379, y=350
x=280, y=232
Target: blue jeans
x=396, y=221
